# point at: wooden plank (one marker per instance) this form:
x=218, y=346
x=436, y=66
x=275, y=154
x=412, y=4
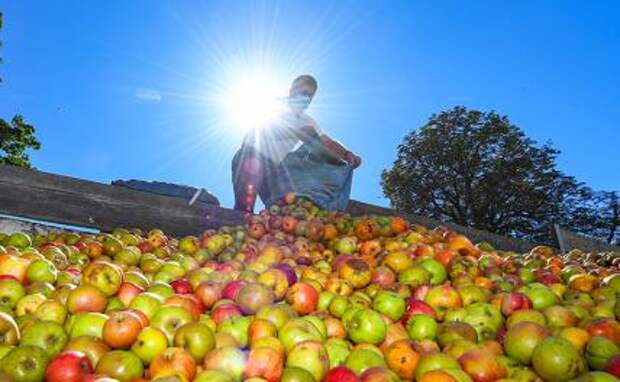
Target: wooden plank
x=557, y=231
x=571, y=240
x=67, y=200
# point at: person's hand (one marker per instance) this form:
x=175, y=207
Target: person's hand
x=353, y=160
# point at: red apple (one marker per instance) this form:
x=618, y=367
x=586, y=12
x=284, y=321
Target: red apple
x=93, y=347
x=173, y=361
x=303, y=298
x=341, y=374
x=121, y=329
x=384, y=277
x=515, y=301
x=613, y=367
x=187, y=301
x=232, y=289
x=253, y=296
x=127, y=292
x=209, y=293
x=86, y=298
x=182, y=286
x=415, y=306
x=225, y=311
x=68, y=366
x=264, y=363
x=606, y=327
x=482, y=366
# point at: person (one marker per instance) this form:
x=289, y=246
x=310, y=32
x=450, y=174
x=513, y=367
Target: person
x=264, y=148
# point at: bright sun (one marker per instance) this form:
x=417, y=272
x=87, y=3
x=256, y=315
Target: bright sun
x=252, y=99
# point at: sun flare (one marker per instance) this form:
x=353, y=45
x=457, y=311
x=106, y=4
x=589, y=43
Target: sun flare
x=252, y=99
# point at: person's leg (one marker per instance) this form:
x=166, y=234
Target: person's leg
x=246, y=170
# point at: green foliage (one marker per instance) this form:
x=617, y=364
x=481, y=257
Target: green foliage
x=15, y=138
x=477, y=169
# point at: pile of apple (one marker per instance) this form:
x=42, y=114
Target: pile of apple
x=299, y=294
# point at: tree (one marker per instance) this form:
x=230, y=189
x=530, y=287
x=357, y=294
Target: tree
x=477, y=169
x=598, y=216
x=16, y=137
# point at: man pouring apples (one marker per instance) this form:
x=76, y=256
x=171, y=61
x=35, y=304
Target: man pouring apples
x=268, y=154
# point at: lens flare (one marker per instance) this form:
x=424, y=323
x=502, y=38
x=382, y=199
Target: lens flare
x=252, y=99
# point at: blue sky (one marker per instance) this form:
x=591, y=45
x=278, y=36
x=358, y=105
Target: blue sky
x=126, y=89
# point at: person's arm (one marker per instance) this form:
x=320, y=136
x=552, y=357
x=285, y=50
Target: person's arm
x=340, y=151
x=307, y=132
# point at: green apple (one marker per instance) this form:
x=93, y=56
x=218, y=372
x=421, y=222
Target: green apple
x=9, y=331
x=237, y=327
x=147, y=302
x=338, y=306
x=298, y=330
x=136, y=278
x=88, y=324
x=228, y=359
x=599, y=351
x=213, y=376
x=367, y=326
x=42, y=270
x=296, y=374
x=325, y=298
x=105, y=276
x=542, y=297
x=128, y=255
x=414, y=276
x=521, y=340
x=278, y=314
x=114, y=303
x=338, y=350
x=435, y=361
x=170, y=318
x=29, y=304
x=19, y=240
x=161, y=289
x=5, y=349
x=310, y=356
x=196, y=338
x=174, y=268
x=362, y=359
x=318, y=323
x=51, y=310
x=25, y=364
x=526, y=315
x=11, y=291
x=346, y=245
x=163, y=277
x=389, y=304
x=44, y=288
x=120, y=364
x=149, y=343
x=422, y=327
x=436, y=269
x=485, y=318
x=48, y=335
